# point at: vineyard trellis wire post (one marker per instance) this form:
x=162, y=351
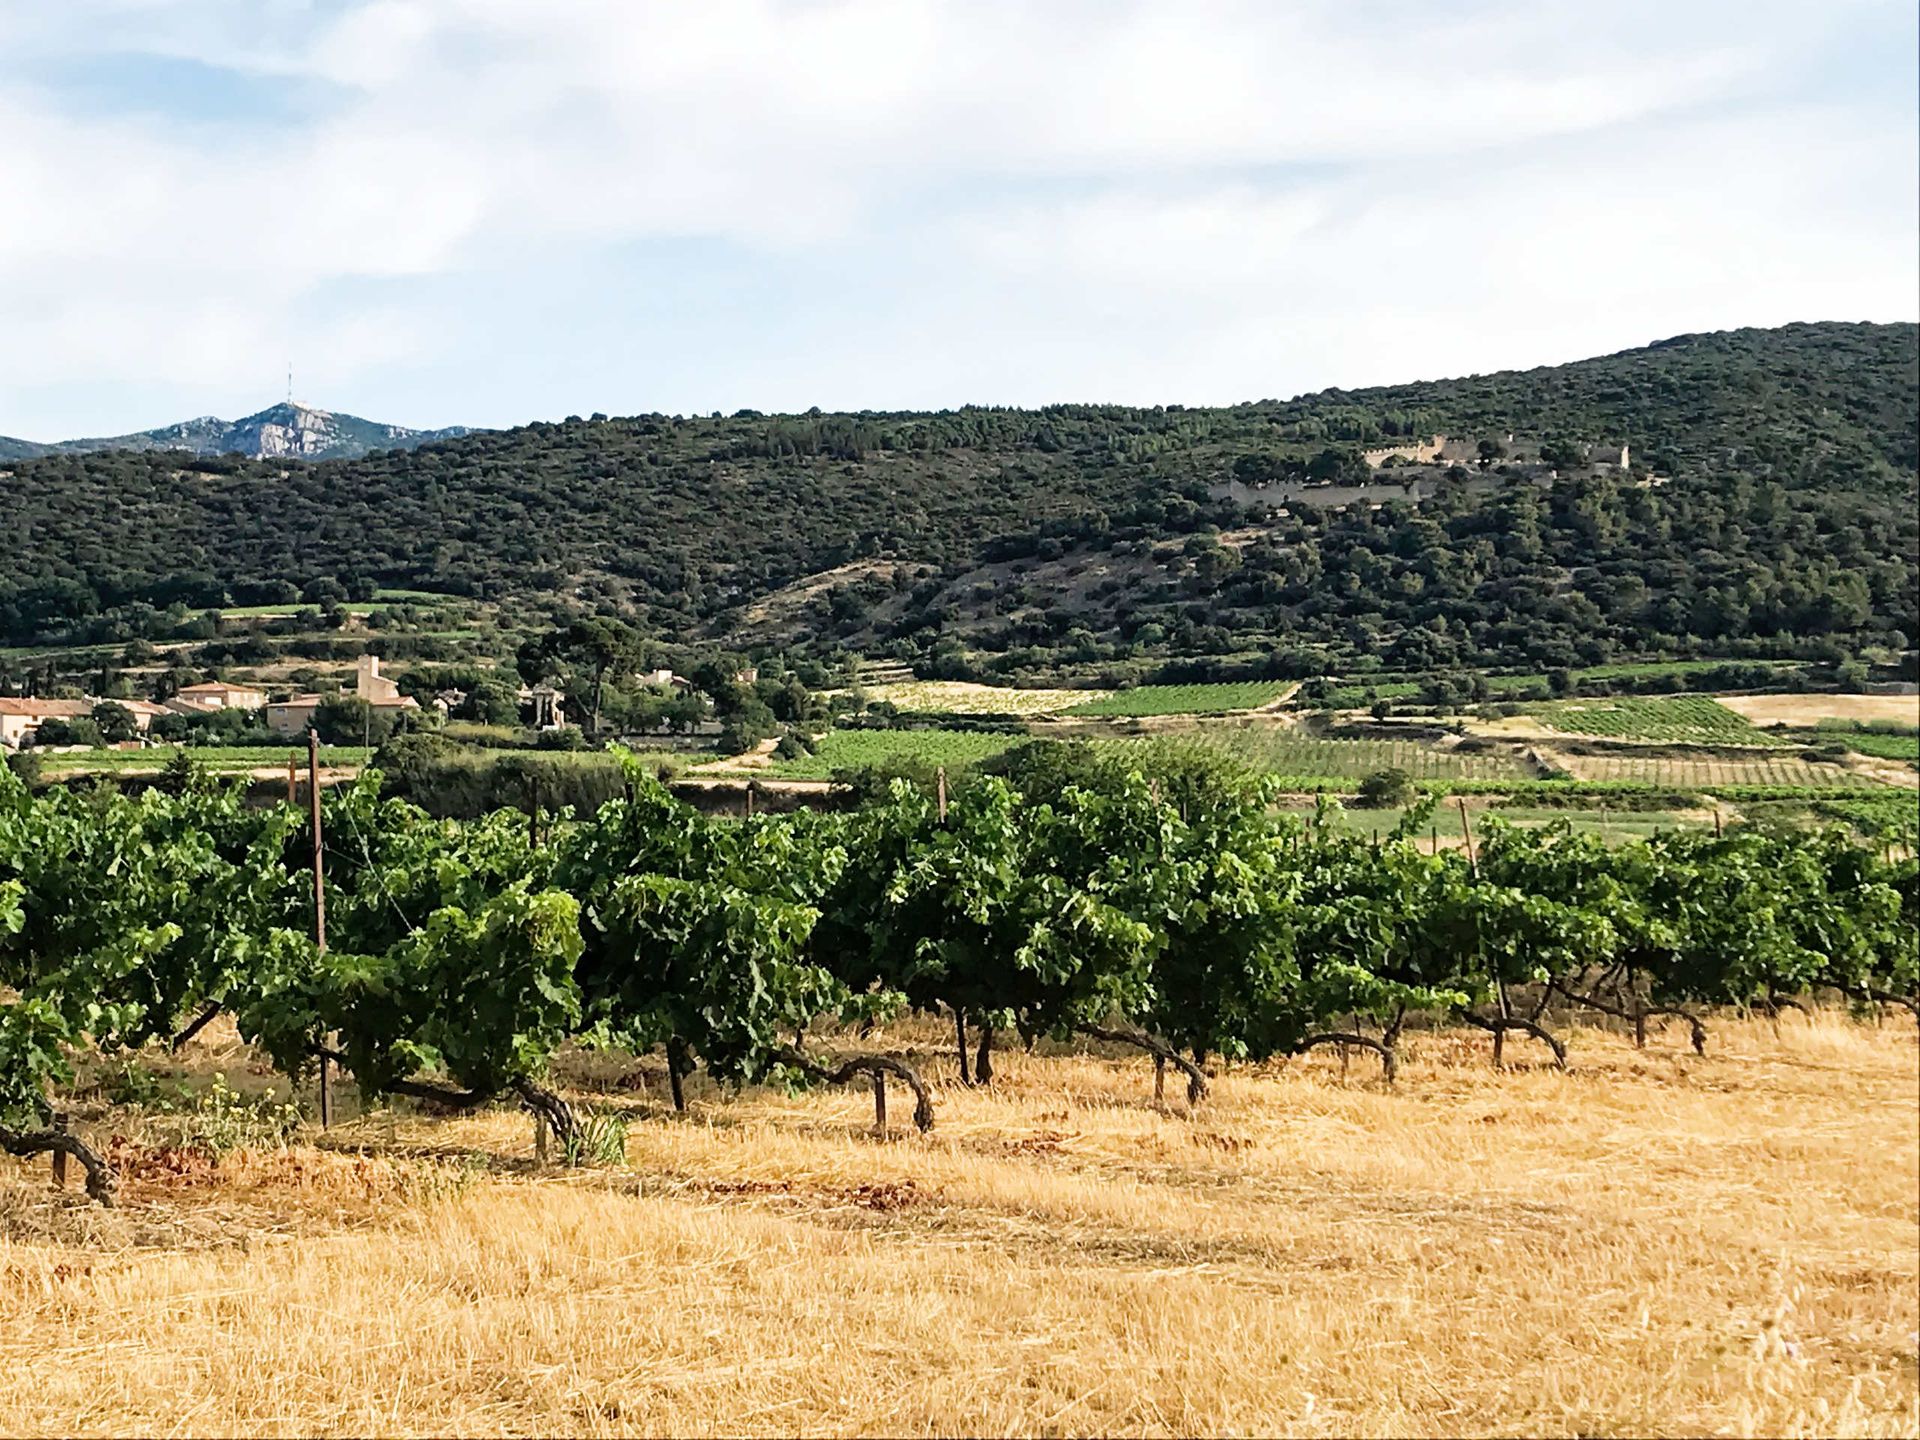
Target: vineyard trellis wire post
x=1466, y=833
x=1499, y=983
x=60, y=1156
x=320, y=911
x=940, y=792
x=293, y=785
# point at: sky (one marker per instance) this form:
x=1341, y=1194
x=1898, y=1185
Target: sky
x=485, y=212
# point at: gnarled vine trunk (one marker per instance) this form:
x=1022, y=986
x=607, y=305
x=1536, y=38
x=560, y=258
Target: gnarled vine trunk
x=678, y=1064
x=1389, y=1060
x=200, y=1022
x=101, y=1182
x=877, y=1066
x=1166, y=1054
x=1638, y=1015
x=1500, y=1025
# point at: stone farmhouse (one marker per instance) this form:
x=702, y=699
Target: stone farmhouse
x=213, y=695
x=294, y=715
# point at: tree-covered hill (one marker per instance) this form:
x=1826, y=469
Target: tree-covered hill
x=1787, y=519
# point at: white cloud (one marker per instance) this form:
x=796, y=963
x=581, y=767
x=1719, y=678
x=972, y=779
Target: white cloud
x=1191, y=200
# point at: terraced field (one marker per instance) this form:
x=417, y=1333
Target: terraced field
x=1216, y=699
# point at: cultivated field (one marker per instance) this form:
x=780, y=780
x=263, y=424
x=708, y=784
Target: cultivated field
x=1288, y=752
x=1704, y=772
x=221, y=760
x=1653, y=1243
x=963, y=697
x=1187, y=699
x=1880, y=746
x=1697, y=718
x=851, y=749
x=1613, y=825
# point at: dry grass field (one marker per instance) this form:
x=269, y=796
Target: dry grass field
x=1651, y=1243
x=964, y=697
x=1812, y=709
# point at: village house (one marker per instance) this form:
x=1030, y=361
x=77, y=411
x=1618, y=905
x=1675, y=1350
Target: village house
x=144, y=712
x=295, y=714
x=21, y=715
x=212, y=695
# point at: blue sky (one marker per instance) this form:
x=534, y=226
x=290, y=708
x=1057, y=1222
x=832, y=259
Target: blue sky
x=489, y=211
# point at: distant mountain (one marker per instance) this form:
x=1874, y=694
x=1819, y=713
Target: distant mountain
x=280, y=432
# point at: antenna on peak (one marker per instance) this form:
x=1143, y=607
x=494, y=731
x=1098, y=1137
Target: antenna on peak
x=289, y=382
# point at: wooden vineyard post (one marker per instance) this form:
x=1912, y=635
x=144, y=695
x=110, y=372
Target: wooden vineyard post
x=293, y=788
x=1499, y=985
x=879, y=1103
x=533, y=814
x=940, y=792
x=60, y=1156
x=1433, y=841
x=750, y=799
x=319, y=909
x=540, y=1139
x=1717, y=830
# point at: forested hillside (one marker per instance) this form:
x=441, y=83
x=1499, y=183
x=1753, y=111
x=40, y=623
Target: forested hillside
x=1015, y=539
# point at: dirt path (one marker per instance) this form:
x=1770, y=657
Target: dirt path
x=758, y=758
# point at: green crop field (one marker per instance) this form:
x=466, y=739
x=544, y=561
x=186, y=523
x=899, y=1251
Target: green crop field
x=1885, y=747
x=1185, y=699
x=853, y=749
x=1286, y=752
x=1881, y=743
x=1696, y=719
x=1612, y=825
x=213, y=757
x=271, y=612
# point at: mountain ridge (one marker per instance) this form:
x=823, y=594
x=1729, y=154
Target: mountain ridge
x=285, y=431
x=1769, y=509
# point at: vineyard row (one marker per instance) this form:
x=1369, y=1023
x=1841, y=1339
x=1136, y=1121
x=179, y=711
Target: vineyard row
x=1179, y=913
